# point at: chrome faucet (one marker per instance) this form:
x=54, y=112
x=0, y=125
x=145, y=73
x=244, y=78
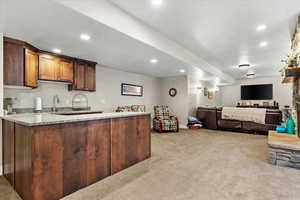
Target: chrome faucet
x=55, y=102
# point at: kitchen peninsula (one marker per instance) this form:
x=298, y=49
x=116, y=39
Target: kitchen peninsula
x=48, y=156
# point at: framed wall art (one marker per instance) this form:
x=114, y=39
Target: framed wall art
x=131, y=90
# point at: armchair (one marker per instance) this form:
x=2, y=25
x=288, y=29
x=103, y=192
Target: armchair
x=163, y=121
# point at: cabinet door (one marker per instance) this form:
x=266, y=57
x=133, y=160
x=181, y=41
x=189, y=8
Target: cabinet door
x=66, y=70
x=143, y=137
x=9, y=151
x=31, y=68
x=90, y=78
x=48, y=67
x=124, y=143
x=47, y=163
x=98, y=151
x=13, y=63
x=74, y=161
x=79, y=76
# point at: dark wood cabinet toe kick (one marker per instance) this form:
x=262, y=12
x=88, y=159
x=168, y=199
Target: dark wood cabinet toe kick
x=51, y=161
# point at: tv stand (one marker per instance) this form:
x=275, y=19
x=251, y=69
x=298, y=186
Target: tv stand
x=257, y=106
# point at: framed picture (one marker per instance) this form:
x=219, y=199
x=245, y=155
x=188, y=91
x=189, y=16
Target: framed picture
x=205, y=91
x=210, y=95
x=131, y=90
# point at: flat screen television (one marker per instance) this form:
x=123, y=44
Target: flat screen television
x=257, y=92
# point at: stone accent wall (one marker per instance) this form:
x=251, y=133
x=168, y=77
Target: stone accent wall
x=296, y=38
x=284, y=157
x=296, y=84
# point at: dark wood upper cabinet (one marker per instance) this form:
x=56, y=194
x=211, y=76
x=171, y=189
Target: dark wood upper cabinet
x=55, y=68
x=31, y=68
x=79, y=76
x=66, y=70
x=48, y=67
x=13, y=62
x=90, y=77
x=84, y=76
x=20, y=63
x=24, y=65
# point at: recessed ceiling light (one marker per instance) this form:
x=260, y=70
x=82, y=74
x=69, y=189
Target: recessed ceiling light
x=263, y=44
x=156, y=2
x=244, y=66
x=250, y=73
x=84, y=36
x=55, y=50
x=261, y=27
x=154, y=61
x=182, y=71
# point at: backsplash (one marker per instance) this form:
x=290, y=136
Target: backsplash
x=24, y=98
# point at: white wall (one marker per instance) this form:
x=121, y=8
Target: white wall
x=197, y=98
x=178, y=104
x=107, y=97
x=282, y=93
x=188, y=97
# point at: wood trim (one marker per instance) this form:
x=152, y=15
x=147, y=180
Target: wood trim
x=20, y=42
x=14, y=41
x=74, y=59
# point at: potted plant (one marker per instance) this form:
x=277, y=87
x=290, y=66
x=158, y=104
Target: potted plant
x=292, y=61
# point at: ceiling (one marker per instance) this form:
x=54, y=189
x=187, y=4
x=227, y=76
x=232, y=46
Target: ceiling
x=49, y=25
x=224, y=32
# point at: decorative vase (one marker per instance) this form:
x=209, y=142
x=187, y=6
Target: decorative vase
x=290, y=125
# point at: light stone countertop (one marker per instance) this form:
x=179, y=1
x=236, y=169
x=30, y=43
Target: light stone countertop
x=34, y=119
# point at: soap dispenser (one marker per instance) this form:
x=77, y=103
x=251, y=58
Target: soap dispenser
x=38, y=104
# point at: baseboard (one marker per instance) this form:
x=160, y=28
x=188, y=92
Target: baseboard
x=183, y=126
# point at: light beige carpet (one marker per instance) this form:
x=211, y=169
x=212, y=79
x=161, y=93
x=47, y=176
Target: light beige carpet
x=196, y=165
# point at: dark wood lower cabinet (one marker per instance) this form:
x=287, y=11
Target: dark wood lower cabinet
x=143, y=138
x=74, y=156
x=52, y=161
x=47, y=162
x=98, y=151
x=8, y=139
x=132, y=145
x=123, y=147
x=23, y=161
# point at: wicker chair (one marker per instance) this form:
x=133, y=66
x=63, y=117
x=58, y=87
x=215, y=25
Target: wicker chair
x=163, y=121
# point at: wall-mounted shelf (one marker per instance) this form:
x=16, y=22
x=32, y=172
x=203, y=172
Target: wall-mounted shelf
x=288, y=80
x=291, y=74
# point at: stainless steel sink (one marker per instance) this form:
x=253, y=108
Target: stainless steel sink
x=79, y=113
